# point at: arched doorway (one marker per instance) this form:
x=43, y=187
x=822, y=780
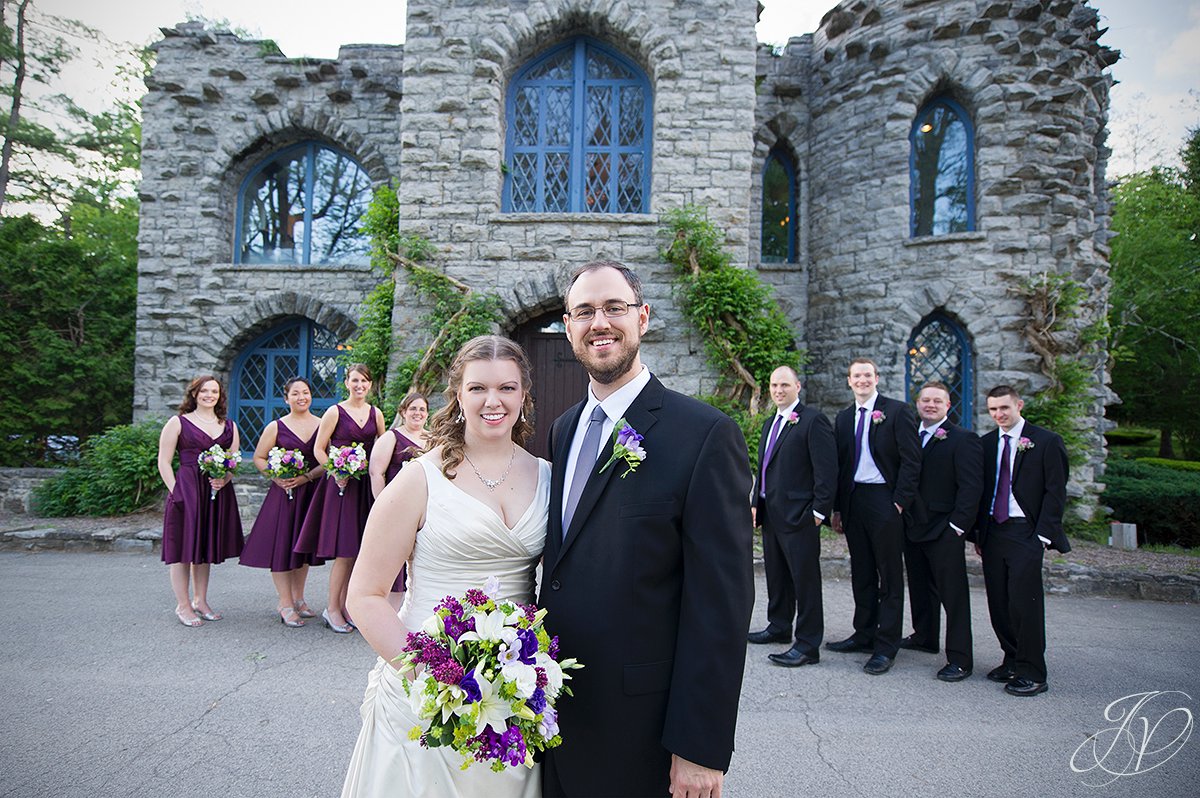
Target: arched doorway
x=558, y=379
x=298, y=347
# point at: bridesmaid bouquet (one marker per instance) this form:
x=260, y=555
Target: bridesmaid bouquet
x=347, y=462
x=490, y=679
x=216, y=462
x=285, y=464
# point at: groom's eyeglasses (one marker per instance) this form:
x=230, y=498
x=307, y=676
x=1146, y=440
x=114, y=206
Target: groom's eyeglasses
x=611, y=310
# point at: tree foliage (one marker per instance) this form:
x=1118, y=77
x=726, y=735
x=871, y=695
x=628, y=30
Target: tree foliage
x=1155, y=299
x=118, y=473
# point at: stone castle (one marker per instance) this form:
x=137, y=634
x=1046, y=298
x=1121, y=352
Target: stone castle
x=896, y=175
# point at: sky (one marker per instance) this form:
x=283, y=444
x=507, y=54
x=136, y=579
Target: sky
x=1154, y=104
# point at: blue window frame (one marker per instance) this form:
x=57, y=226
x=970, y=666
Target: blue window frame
x=298, y=347
x=942, y=169
x=304, y=204
x=779, y=219
x=939, y=349
x=579, y=119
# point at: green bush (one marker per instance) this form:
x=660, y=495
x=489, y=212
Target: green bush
x=1163, y=502
x=1177, y=465
x=117, y=474
x=1129, y=437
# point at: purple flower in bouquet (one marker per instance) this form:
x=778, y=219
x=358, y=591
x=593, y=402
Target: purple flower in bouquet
x=627, y=448
x=529, y=645
x=537, y=701
x=470, y=686
x=548, y=727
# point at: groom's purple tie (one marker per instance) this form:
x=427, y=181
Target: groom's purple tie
x=1003, y=486
x=862, y=419
x=584, y=464
x=774, y=436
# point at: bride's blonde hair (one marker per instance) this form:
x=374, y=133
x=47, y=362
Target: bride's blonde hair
x=447, y=427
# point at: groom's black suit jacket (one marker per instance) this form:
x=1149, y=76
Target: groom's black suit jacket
x=652, y=591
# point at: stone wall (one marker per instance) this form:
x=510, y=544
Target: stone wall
x=16, y=489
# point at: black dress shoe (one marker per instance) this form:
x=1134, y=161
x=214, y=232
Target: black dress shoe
x=794, y=658
x=878, y=665
x=913, y=644
x=848, y=645
x=953, y=673
x=767, y=636
x=1025, y=687
x=1002, y=673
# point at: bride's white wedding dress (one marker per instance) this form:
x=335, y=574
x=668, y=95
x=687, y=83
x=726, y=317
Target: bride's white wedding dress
x=462, y=543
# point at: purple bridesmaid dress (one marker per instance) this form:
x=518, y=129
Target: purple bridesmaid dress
x=197, y=529
x=273, y=539
x=333, y=525
x=401, y=454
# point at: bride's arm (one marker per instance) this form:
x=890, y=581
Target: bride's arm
x=387, y=542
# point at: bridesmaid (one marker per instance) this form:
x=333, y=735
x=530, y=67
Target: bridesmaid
x=333, y=526
x=197, y=531
x=271, y=541
x=394, y=450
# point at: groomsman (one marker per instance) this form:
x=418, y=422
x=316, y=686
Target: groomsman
x=793, y=494
x=879, y=466
x=950, y=488
x=1025, y=473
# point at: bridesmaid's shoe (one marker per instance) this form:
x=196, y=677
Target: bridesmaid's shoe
x=193, y=623
x=289, y=617
x=342, y=630
x=304, y=611
x=208, y=616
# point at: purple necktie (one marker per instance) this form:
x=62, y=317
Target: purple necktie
x=924, y=437
x=1003, y=487
x=762, y=481
x=858, y=430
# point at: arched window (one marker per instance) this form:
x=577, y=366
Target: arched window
x=779, y=219
x=578, y=133
x=296, y=348
x=940, y=350
x=942, y=165
x=304, y=204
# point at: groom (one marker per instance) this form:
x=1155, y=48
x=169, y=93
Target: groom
x=647, y=574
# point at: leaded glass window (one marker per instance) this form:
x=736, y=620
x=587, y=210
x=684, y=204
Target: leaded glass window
x=942, y=164
x=304, y=205
x=940, y=350
x=296, y=348
x=779, y=222
x=578, y=133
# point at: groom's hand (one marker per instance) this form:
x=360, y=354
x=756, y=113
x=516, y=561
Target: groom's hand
x=689, y=780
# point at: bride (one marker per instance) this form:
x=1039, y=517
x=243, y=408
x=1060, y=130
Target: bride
x=475, y=506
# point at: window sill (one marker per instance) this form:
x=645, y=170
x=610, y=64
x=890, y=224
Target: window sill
x=779, y=266
x=946, y=238
x=292, y=267
x=574, y=218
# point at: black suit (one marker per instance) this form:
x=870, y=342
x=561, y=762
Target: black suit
x=950, y=488
x=1012, y=552
x=801, y=479
x=874, y=529
x=652, y=591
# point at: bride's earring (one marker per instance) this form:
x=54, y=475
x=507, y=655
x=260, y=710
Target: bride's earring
x=459, y=418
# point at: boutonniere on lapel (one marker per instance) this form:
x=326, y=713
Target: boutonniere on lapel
x=793, y=417
x=878, y=417
x=939, y=434
x=1024, y=445
x=627, y=448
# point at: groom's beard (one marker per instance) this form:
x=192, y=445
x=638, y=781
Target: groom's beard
x=609, y=371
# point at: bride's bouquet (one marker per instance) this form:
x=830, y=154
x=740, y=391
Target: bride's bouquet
x=346, y=462
x=285, y=464
x=490, y=679
x=215, y=462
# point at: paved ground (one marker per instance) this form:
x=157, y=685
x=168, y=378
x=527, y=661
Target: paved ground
x=104, y=694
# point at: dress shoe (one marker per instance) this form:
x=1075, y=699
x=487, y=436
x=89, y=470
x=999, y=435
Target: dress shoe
x=1025, y=687
x=849, y=645
x=794, y=658
x=913, y=644
x=767, y=636
x=878, y=665
x=953, y=673
x=1002, y=673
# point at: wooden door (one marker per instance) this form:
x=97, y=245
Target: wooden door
x=558, y=379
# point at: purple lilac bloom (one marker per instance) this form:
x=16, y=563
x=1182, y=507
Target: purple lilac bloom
x=470, y=687
x=448, y=672
x=542, y=678
x=490, y=746
x=476, y=597
x=537, y=701
x=530, y=612
x=452, y=604
x=529, y=645
x=553, y=650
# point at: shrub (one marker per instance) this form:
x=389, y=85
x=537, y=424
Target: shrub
x=118, y=473
x=1177, y=465
x=1129, y=437
x=1163, y=502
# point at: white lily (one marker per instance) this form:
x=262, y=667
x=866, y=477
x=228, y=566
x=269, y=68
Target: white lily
x=433, y=625
x=487, y=627
x=554, y=674
x=493, y=710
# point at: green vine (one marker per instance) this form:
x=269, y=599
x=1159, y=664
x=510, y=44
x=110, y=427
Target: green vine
x=745, y=334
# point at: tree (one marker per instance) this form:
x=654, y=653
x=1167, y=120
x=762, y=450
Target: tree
x=1154, y=311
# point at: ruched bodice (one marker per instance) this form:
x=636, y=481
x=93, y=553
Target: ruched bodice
x=463, y=542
